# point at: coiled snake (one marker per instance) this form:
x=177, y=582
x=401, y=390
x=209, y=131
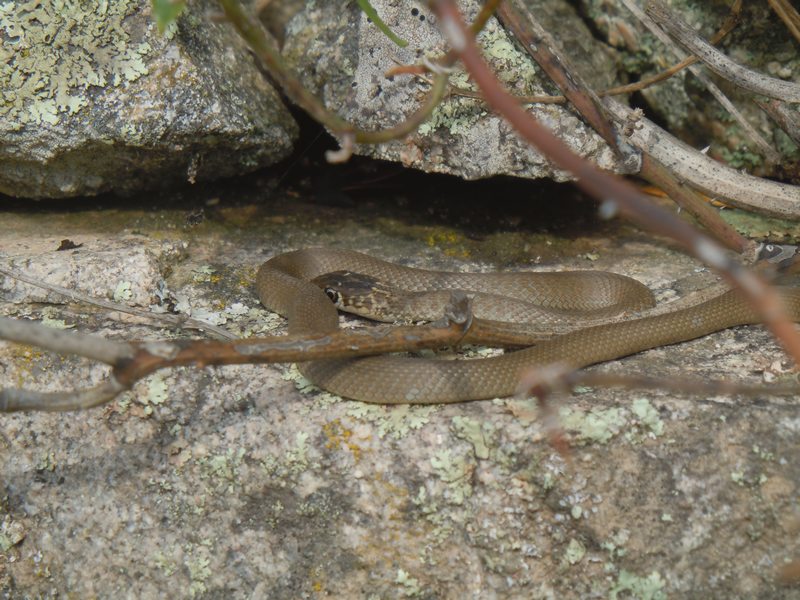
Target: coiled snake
x=285, y=285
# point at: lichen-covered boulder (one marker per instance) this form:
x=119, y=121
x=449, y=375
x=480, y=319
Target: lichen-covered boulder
x=95, y=100
x=343, y=57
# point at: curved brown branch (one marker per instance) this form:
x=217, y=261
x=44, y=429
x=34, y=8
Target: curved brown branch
x=258, y=40
x=132, y=361
x=615, y=194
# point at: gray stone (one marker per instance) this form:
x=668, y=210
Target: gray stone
x=343, y=58
x=243, y=481
x=95, y=100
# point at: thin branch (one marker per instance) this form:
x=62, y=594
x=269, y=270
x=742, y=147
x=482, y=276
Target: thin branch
x=76, y=296
x=706, y=174
x=768, y=151
x=557, y=378
x=615, y=194
x=787, y=118
x=718, y=62
x=726, y=27
x=15, y=400
x=65, y=342
x=789, y=15
x=695, y=204
x=258, y=40
x=544, y=49
x=132, y=361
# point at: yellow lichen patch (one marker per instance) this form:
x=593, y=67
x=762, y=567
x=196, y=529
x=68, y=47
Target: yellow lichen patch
x=450, y=242
x=339, y=437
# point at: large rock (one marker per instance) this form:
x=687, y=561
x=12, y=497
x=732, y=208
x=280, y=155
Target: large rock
x=343, y=57
x=95, y=100
x=245, y=482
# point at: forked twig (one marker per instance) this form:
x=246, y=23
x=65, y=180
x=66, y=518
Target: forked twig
x=718, y=62
x=615, y=194
x=768, y=151
x=131, y=361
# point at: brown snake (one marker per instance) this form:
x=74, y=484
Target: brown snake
x=284, y=285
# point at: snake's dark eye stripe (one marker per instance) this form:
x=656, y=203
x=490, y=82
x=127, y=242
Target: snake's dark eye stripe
x=335, y=296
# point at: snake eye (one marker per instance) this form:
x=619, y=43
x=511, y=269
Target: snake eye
x=335, y=296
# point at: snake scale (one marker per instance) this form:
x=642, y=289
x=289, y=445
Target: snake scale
x=284, y=285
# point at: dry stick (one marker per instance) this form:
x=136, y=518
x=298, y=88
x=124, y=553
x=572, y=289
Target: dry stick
x=769, y=152
x=718, y=62
x=562, y=379
x=706, y=174
x=170, y=320
x=131, y=361
x=687, y=198
x=789, y=15
x=545, y=51
x=615, y=194
x=787, y=118
x=726, y=27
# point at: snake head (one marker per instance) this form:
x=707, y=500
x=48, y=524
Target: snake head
x=355, y=293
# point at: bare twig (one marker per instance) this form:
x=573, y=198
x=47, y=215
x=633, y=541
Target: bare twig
x=706, y=174
x=615, y=194
x=131, y=361
x=540, y=44
x=65, y=342
x=788, y=14
x=258, y=40
x=718, y=62
x=787, y=118
x=561, y=379
x=76, y=296
x=729, y=23
x=768, y=151
x=688, y=199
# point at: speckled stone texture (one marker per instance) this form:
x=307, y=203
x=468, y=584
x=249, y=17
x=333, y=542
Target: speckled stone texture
x=244, y=482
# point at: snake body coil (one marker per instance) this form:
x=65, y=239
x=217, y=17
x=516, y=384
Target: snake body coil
x=284, y=286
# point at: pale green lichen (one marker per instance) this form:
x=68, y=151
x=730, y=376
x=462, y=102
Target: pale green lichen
x=648, y=420
x=457, y=115
x=614, y=545
x=293, y=462
x=630, y=585
x=123, y=291
x=11, y=533
x=165, y=565
x=53, y=52
x=222, y=470
x=511, y=64
x=410, y=585
x=430, y=508
x=575, y=552
x=763, y=453
x=477, y=434
x=454, y=471
x=157, y=392
x=205, y=274
x=199, y=573
x=595, y=425
x=396, y=421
